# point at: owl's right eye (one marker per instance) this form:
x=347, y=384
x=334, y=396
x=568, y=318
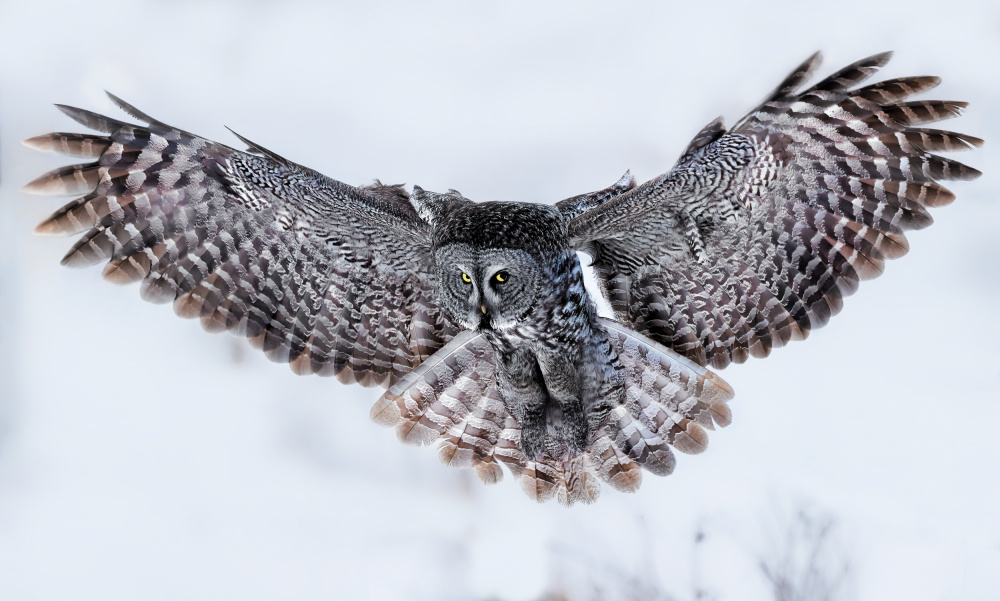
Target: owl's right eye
x=466, y=278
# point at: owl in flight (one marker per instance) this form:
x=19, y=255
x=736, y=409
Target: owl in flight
x=474, y=315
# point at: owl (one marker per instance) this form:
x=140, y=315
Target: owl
x=474, y=315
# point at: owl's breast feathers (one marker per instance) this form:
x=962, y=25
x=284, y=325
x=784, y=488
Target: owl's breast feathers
x=554, y=367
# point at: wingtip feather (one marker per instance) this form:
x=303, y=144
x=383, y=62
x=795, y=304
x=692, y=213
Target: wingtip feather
x=52, y=227
x=131, y=110
x=40, y=143
x=881, y=59
x=91, y=119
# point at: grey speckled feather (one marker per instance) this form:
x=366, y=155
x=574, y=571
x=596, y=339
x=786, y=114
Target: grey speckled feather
x=475, y=316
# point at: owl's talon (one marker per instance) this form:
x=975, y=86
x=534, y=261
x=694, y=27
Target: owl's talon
x=533, y=440
x=579, y=437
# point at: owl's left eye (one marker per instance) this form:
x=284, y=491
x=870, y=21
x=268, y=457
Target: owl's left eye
x=501, y=276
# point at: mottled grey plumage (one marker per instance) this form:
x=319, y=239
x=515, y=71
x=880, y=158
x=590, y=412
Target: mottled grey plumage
x=475, y=316
x=758, y=233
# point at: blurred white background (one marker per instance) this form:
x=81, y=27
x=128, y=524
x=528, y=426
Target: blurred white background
x=141, y=458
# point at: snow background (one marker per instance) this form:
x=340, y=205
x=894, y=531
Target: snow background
x=141, y=458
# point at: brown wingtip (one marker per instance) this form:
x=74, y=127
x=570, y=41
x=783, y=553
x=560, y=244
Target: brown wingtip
x=971, y=173
x=40, y=186
x=42, y=143
x=973, y=141
x=51, y=227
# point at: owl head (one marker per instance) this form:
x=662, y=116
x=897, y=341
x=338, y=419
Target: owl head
x=490, y=261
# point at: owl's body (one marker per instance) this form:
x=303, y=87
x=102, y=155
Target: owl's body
x=554, y=369
x=475, y=315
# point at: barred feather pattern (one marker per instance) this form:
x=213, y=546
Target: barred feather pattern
x=578, y=205
x=452, y=399
x=749, y=242
x=757, y=234
x=330, y=278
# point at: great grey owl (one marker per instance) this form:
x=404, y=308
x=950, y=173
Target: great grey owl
x=475, y=315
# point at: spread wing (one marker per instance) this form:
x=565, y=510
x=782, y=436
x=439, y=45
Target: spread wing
x=328, y=277
x=758, y=232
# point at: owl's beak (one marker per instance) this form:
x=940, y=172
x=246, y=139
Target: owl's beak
x=484, y=319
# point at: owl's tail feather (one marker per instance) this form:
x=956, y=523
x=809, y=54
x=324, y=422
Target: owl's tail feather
x=669, y=402
x=452, y=398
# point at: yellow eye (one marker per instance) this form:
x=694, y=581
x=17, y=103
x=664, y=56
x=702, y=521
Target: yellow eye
x=501, y=276
x=466, y=278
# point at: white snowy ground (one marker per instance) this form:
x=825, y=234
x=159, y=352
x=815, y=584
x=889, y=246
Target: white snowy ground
x=141, y=458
